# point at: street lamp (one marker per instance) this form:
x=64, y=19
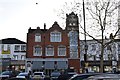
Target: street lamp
x=85, y=47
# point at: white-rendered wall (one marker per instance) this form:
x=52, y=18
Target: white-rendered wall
x=12, y=47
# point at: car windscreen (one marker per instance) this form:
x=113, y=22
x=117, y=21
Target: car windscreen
x=55, y=74
x=6, y=73
x=23, y=74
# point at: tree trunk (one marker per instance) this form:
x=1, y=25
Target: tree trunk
x=101, y=59
x=102, y=52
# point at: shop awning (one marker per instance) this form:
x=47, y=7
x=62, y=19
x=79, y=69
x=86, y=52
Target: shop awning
x=62, y=65
x=49, y=65
x=37, y=65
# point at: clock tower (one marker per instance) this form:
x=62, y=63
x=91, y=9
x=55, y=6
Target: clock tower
x=72, y=27
x=72, y=22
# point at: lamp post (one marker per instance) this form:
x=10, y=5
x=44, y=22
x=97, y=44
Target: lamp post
x=85, y=46
x=114, y=59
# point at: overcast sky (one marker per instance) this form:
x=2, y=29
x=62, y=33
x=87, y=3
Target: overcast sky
x=16, y=16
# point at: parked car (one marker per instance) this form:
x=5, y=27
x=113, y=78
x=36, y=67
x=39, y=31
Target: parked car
x=5, y=74
x=83, y=76
x=38, y=75
x=104, y=77
x=23, y=75
x=8, y=74
x=15, y=78
x=66, y=76
x=54, y=75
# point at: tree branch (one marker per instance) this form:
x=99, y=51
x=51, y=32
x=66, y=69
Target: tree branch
x=112, y=40
x=104, y=20
x=91, y=36
x=91, y=13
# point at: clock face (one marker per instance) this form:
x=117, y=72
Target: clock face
x=72, y=21
x=72, y=24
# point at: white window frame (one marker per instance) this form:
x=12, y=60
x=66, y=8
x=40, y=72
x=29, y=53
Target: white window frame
x=18, y=48
x=2, y=47
x=15, y=57
x=55, y=36
x=37, y=54
x=22, y=57
x=63, y=48
x=6, y=47
x=37, y=37
x=23, y=47
x=49, y=51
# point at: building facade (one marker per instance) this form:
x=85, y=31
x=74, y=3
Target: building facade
x=54, y=48
x=12, y=53
x=111, y=55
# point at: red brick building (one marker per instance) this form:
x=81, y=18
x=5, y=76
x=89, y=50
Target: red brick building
x=54, y=48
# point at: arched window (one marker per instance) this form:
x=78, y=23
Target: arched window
x=37, y=51
x=61, y=50
x=49, y=50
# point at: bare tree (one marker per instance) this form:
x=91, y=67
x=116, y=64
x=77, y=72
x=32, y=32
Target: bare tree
x=101, y=19
x=104, y=16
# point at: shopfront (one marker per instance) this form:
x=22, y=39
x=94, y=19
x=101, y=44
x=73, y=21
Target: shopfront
x=18, y=64
x=4, y=63
x=94, y=66
x=48, y=66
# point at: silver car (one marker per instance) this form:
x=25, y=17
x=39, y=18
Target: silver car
x=38, y=75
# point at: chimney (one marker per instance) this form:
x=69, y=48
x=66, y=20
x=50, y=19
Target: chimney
x=44, y=26
x=38, y=27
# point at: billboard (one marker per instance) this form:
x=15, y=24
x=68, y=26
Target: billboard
x=5, y=51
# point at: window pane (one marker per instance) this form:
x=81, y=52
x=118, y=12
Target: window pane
x=61, y=51
x=38, y=38
x=23, y=57
x=15, y=57
x=49, y=51
x=23, y=48
x=2, y=47
x=5, y=47
x=37, y=51
x=17, y=47
x=8, y=47
x=55, y=37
